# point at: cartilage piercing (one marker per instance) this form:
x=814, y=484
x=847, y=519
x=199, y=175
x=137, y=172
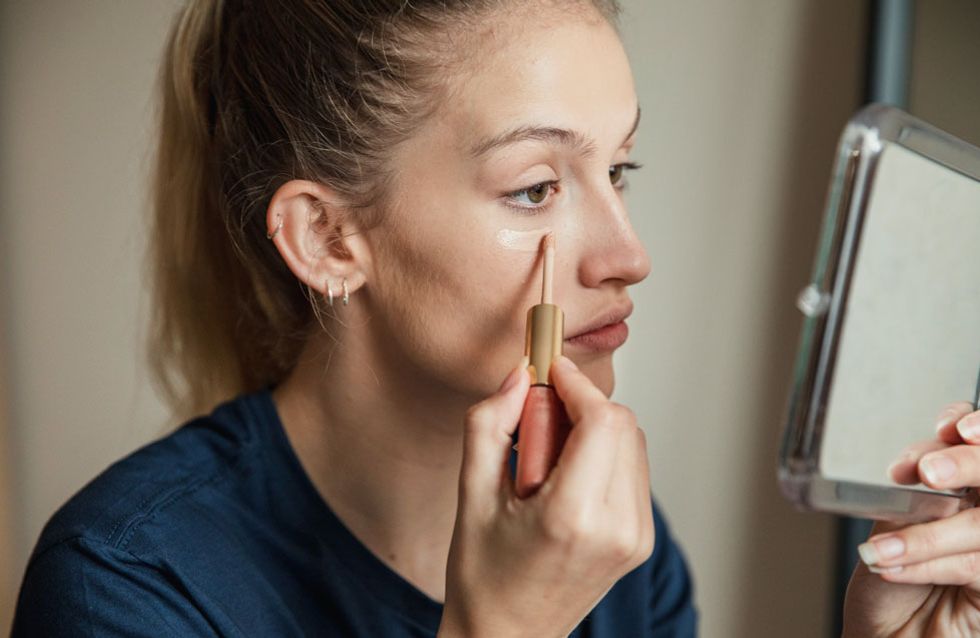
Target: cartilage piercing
x=276, y=231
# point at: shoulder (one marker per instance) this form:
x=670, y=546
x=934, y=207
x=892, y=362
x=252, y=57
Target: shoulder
x=100, y=562
x=82, y=587
x=146, y=483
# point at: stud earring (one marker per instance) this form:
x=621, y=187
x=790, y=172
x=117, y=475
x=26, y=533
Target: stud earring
x=276, y=231
x=346, y=292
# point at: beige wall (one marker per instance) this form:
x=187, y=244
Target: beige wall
x=75, y=82
x=742, y=104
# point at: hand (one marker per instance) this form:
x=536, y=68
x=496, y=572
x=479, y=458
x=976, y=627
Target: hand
x=536, y=566
x=924, y=579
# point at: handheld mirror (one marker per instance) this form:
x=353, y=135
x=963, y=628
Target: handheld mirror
x=891, y=332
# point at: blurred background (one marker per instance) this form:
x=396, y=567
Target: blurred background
x=743, y=102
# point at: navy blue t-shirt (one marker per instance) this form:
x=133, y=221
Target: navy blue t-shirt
x=216, y=530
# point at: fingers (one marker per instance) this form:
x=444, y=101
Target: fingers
x=956, y=424
x=968, y=427
x=580, y=396
x=947, y=423
x=944, y=552
x=952, y=468
x=924, y=542
x=961, y=569
x=905, y=470
x=487, y=438
x=623, y=490
x=643, y=496
x=585, y=465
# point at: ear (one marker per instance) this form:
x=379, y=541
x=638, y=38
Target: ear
x=319, y=239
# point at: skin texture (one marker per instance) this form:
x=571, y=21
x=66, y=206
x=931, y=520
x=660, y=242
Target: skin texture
x=437, y=313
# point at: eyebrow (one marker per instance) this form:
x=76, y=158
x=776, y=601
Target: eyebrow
x=561, y=136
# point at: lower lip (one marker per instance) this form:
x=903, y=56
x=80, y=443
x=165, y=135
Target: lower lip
x=608, y=337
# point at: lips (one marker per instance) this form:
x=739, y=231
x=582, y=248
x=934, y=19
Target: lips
x=606, y=319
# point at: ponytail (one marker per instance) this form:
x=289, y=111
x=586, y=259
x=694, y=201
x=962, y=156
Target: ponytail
x=201, y=346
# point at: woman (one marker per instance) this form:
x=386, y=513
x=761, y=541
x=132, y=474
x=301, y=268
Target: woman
x=346, y=193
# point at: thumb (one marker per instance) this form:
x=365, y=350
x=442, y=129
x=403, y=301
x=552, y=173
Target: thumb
x=487, y=438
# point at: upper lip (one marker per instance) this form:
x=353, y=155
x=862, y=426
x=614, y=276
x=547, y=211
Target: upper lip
x=608, y=316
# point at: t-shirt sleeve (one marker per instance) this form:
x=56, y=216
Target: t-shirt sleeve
x=673, y=614
x=81, y=587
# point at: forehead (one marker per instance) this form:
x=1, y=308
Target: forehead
x=571, y=73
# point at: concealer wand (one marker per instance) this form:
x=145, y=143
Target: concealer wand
x=544, y=425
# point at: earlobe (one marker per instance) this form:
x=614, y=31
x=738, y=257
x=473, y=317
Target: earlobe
x=306, y=221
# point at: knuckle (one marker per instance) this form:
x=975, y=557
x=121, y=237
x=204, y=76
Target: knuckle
x=623, y=414
x=623, y=546
x=646, y=549
x=615, y=417
x=567, y=525
x=924, y=542
x=621, y=549
x=477, y=415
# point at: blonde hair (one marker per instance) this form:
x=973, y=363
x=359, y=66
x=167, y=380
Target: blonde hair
x=252, y=94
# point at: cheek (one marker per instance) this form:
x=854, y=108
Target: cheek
x=455, y=304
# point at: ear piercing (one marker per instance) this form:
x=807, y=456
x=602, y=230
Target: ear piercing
x=345, y=298
x=276, y=231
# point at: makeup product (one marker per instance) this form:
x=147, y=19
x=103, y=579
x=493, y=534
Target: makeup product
x=527, y=241
x=544, y=425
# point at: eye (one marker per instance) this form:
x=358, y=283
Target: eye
x=617, y=173
x=533, y=197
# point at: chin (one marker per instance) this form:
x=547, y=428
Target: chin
x=601, y=372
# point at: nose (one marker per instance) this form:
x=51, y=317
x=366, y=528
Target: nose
x=611, y=251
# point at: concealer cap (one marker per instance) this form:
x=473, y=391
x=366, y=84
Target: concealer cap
x=543, y=338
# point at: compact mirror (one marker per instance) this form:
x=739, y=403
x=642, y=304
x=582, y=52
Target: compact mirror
x=891, y=332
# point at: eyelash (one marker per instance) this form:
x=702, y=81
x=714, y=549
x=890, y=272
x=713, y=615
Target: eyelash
x=628, y=166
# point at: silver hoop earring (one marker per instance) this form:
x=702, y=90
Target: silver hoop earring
x=276, y=231
x=329, y=293
x=346, y=292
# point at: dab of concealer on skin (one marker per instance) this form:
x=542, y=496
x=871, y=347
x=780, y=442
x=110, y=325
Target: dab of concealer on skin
x=522, y=240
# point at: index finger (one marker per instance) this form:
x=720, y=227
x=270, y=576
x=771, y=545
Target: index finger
x=588, y=458
x=575, y=390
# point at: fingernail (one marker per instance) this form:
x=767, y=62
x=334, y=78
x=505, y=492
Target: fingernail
x=969, y=428
x=873, y=552
x=938, y=468
x=511, y=380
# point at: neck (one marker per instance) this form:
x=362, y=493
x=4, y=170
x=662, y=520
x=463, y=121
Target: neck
x=382, y=443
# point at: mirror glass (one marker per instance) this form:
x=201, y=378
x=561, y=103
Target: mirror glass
x=910, y=343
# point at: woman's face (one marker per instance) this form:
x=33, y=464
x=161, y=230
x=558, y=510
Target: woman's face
x=533, y=140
